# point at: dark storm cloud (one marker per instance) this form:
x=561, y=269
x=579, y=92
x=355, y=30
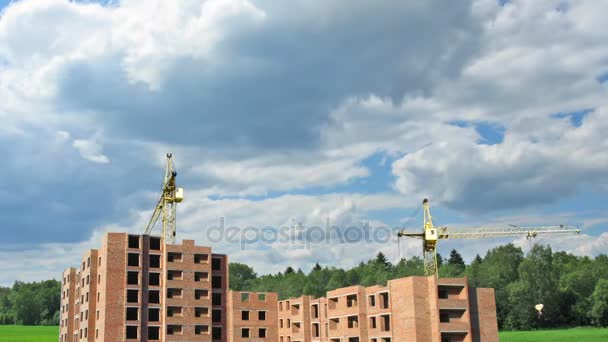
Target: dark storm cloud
x=276, y=84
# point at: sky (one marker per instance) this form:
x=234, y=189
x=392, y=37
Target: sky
x=350, y=111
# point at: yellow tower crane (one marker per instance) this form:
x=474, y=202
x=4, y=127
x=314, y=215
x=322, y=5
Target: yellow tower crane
x=167, y=203
x=431, y=235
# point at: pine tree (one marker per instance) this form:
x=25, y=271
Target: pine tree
x=317, y=267
x=289, y=270
x=382, y=260
x=455, y=258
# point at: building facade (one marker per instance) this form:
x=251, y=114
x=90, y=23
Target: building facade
x=252, y=316
x=407, y=309
x=132, y=289
x=135, y=289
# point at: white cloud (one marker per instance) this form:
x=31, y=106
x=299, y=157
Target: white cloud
x=254, y=97
x=90, y=150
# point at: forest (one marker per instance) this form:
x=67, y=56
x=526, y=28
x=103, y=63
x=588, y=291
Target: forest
x=30, y=303
x=573, y=290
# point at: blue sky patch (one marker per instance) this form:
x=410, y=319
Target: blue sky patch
x=379, y=180
x=576, y=118
x=490, y=133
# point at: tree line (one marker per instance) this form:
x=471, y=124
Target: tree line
x=30, y=303
x=572, y=289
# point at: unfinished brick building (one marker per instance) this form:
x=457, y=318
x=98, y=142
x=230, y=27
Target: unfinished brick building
x=407, y=309
x=127, y=291
x=136, y=289
x=252, y=316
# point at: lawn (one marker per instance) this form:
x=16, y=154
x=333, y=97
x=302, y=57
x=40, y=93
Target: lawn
x=562, y=335
x=15, y=333
x=12, y=333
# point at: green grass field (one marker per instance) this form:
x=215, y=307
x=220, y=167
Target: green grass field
x=12, y=333
x=15, y=333
x=562, y=335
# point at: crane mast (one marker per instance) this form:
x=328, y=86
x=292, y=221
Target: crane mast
x=431, y=235
x=167, y=204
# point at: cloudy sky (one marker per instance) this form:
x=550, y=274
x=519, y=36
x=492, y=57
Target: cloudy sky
x=350, y=110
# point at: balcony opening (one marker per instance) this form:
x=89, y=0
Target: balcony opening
x=154, y=315
x=332, y=303
x=174, y=329
x=155, y=243
x=200, y=258
x=133, y=241
x=175, y=275
x=174, y=311
x=174, y=293
x=386, y=339
x=261, y=297
x=153, y=333
x=201, y=312
x=384, y=300
x=154, y=261
x=133, y=259
x=154, y=279
x=244, y=315
x=131, y=332
x=201, y=276
x=372, y=300
x=154, y=297
x=262, y=332
x=244, y=297
x=132, y=314
x=385, y=321
x=281, y=323
x=333, y=323
x=261, y=315
x=295, y=309
x=351, y=300
x=198, y=294
x=372, y=322
x=353, y=339
x=353, y=321
x=315, y=330
x=450, y=315
x=315, y=310
x=174, y=257
x=453, y=337
x=449, y=292
x=244, y=332
x=132, y=296
x=201, y=329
